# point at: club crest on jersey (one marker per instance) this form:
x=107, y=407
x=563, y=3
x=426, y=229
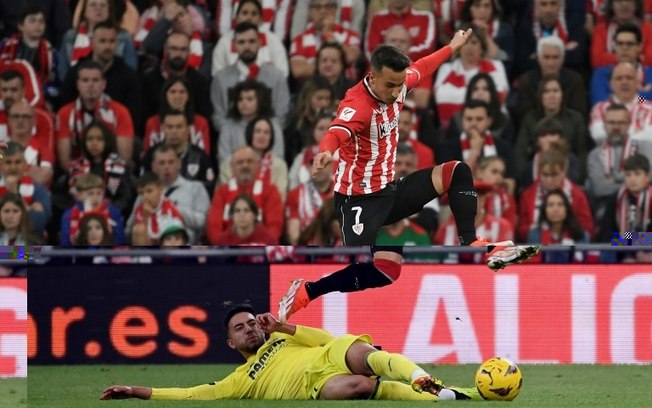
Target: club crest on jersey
x=347, y=114
x=385, y=128
x=358, y=228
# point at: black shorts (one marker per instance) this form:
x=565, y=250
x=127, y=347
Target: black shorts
x=361, y=216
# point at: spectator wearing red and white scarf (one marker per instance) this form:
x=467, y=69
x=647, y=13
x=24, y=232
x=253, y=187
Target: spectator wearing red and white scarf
x=14, y=179
x=547, y=18
x=38, y=143
x=420, y=24
x=30, y=45
x=99, y=156
x=453, y=77
x=176, y=94
x=91, y=104
x=322, y=28
x=274, y=14
x=260, y=135
x=174, y=62
x=90, y=199
x=498, y=202
x=606, y=161
x=617, y=14
x=152, y=212
x=305, y=201
x=625, y=91
x=76, y=42
x=25, y=84
x=245, y=164
x=175, y=18
x=272, y=50
x=247, y=228
x=552, y=175
x=350, y=14
x=558, y=224
x=476, y=141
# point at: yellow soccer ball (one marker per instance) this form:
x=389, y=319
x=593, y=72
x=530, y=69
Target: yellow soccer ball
x=498, y=379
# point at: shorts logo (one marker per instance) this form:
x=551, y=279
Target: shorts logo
x=358, y=228
x=347, y=114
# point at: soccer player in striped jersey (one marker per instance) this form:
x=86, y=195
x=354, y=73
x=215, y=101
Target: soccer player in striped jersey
x=367, y=195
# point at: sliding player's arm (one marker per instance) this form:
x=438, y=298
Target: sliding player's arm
x=308, y=336
x=225, y=389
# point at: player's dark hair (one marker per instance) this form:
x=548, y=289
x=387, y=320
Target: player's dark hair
x=570, y=223
x=548, y=126
x=242, y=307
x=629, y=28
x=31, y=10
x=254, y=2
x=148, y=179
x=89, y=64
x=249, y=131
x=244, y=26
x=637, y=162
x=11, y=75
x=477, y=103
x=389, y=56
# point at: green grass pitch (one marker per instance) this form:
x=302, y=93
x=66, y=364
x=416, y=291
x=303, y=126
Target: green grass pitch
x=543, y=386
x=13, y=392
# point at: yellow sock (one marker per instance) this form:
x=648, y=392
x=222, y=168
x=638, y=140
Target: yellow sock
x=394, y=366
x=398, y=391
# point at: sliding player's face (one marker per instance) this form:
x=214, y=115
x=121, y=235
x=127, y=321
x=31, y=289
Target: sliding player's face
x=387, y=84
x=244, y=333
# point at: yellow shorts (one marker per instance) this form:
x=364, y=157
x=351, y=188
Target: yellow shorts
x=329, y=363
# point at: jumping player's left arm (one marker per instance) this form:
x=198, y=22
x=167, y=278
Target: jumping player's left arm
x=427, y=65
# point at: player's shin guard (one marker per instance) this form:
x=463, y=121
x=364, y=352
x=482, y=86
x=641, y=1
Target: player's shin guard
x=356, y=277
x=398, y=391
x=458, y=182
x=394, y=366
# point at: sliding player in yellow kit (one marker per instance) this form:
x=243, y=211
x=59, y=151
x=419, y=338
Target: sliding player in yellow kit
x=285, y=361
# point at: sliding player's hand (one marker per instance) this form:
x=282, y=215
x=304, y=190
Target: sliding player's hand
x=321, y=160
x=268, y=323
x=117, y=392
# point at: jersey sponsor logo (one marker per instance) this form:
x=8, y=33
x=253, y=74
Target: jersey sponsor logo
x=358, y=228
x=259, y=365
x=385, y=128
x=347, y=114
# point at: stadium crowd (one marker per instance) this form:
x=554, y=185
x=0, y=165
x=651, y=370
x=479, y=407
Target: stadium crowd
x=131, y=121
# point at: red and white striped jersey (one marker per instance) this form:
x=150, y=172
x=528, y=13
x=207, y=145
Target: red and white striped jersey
x=370, y=126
